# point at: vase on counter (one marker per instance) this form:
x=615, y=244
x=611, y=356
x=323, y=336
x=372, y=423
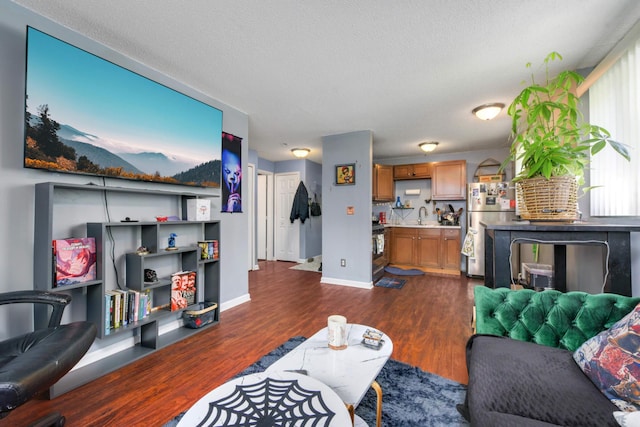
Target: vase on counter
x=398, y=202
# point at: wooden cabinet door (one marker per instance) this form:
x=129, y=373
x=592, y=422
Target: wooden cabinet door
x=402, y=245
x=449, y=180
x=422, y=170
x=382, y=183
x=451, y=249
x=387, y=246
x=402, y=172
x=428, y=248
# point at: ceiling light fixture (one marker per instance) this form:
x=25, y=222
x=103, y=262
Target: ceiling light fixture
x=488, y=111
x=428, y=147
x=300, y=152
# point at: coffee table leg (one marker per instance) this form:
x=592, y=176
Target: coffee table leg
x=378, y=389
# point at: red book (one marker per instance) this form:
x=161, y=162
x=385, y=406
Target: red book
x=75, y=260
x=183, y=289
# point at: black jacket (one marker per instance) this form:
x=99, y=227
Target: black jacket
x=300, y=208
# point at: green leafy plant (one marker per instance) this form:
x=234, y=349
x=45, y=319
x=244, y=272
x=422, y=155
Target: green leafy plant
x=548, y=129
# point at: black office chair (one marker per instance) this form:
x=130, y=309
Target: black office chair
x=33, y=362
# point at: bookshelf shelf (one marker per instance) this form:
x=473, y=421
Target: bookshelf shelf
x=118, y=266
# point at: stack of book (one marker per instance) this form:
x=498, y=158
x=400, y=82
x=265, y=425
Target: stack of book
x=125, y=307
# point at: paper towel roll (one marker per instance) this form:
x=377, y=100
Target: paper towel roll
x=412, y=192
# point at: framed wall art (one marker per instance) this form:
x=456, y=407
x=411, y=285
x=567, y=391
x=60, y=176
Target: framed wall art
x=231, y=171
x=346, y=174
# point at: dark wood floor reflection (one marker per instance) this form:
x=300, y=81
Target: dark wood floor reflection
x=428, y=321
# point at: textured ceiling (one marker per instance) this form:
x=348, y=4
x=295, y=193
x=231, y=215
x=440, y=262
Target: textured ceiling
x=409, y=71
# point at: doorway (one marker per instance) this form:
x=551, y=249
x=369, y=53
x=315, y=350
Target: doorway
x=265, y=216
x=287, y=234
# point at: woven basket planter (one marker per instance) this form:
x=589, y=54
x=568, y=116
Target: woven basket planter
x=554, y=199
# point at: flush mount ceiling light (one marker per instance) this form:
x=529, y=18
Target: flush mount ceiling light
x=300, y=152
x=488, y=111
x=428, y=147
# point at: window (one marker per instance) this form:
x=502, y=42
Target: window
x=614, y=103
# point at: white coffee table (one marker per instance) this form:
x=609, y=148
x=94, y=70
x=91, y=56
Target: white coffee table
x=269, y=399
x=349, y=372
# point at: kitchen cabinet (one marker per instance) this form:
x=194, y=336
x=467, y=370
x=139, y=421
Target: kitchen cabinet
x=435, y=249
x=382, y=183
x=412, y=171
x=449, y=180
x=450, y=249
x=403, y=246
x=428, y=243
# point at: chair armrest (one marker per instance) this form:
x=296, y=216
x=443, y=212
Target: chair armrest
x=58, y=301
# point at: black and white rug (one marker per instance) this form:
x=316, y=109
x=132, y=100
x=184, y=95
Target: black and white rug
x=411, y=396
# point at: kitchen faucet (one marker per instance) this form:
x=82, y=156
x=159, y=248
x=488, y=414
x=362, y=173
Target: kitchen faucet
x=420, y=214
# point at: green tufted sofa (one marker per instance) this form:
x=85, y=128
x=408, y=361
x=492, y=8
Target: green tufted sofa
x=521, y=369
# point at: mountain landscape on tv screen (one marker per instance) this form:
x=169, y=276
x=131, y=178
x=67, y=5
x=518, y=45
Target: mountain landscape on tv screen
x=50, y=145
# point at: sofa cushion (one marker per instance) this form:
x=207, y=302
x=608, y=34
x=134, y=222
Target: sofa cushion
x=512, y=381
x=611, y=360
x=551, y=317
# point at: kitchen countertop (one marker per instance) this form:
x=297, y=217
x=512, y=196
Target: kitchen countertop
x=430, y=224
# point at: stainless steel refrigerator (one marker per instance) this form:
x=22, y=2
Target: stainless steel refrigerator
x=486, y=202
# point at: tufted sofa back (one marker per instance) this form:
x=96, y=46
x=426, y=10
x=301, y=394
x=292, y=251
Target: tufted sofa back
x=551, y=318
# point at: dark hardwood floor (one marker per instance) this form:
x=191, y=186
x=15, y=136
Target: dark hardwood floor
x=428, y=320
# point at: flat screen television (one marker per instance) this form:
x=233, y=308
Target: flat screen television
x=87, y=115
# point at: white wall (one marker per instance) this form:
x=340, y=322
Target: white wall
x=17, y=183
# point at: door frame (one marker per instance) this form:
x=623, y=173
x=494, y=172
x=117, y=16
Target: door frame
x=268, y=203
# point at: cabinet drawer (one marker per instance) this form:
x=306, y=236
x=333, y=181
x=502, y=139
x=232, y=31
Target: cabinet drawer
x=429, y=232
x=451, y=233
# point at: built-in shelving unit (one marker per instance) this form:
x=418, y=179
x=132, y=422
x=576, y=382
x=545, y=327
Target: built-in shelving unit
x=123, y=269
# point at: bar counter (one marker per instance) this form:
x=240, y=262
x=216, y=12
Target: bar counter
x=617, y=237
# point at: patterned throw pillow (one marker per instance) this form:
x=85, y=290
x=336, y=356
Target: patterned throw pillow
x=611, y=360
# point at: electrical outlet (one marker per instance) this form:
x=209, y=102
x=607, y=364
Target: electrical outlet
x=343, y=262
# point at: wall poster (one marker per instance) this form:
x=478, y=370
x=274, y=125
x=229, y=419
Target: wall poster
x=231, y=171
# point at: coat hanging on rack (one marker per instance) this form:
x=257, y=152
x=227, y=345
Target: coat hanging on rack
x=300, y=207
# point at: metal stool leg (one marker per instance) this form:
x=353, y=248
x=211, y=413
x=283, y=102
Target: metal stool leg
x=352, y=412
x=378, y=389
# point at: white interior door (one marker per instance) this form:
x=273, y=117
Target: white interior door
x=287, y=234
x=262, y=217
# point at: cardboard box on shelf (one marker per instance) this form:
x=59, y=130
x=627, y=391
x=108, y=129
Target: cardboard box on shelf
x=198, y=210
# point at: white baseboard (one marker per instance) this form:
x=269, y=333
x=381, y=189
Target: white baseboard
x=234, y=302
x=342, y=282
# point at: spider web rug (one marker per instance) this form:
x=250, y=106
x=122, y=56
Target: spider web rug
x=411, y=396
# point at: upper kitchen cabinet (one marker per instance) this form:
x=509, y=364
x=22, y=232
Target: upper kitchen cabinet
x=412, y=171
x=382, y=183
x=449, y=180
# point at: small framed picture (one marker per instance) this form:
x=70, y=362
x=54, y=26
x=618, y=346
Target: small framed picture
x=346, y=174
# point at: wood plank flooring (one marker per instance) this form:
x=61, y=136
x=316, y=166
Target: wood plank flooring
x=428, y=320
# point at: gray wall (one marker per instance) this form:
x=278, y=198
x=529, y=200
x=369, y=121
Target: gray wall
x=17, y=183
x=310, y=242
x=347, y=236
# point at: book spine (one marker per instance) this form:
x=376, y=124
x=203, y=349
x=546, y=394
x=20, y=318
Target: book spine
x=107, y=313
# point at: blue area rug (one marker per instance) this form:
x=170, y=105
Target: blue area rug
x=411, y=397
x=390, y=282
x=403, y=272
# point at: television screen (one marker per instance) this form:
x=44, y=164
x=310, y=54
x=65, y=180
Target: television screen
x=86, y=115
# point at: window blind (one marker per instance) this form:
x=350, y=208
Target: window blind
x=614, y=103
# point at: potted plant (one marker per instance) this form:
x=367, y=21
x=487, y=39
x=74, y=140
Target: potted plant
x=554, y=144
